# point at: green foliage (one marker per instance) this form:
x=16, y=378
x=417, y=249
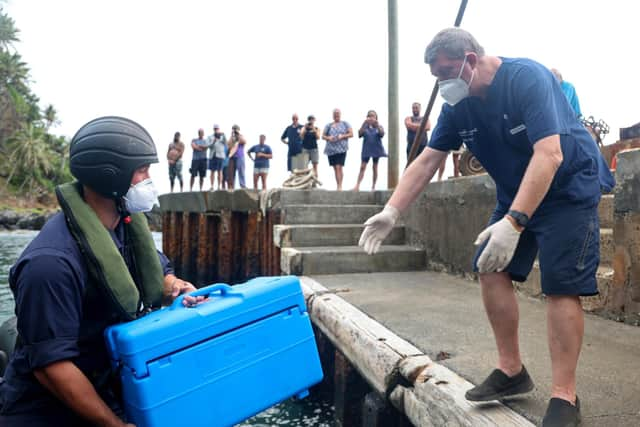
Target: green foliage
x=32, y=160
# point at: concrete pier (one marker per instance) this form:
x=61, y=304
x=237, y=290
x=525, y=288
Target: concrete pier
x=402, y=343
x=438, y=322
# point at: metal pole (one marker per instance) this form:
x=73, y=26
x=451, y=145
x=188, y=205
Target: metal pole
x=420, y=134
x=393, y=131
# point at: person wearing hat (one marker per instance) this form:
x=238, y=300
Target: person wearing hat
x=218, y=152
x=310, y=135
x=92, y=265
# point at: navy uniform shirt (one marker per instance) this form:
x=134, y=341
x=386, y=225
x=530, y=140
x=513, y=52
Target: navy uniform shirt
x=524, y=103
x=260, y=162
x=292, y=135
x=48, y=282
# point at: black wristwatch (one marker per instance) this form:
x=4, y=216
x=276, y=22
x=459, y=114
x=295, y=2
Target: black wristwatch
x=521, y=218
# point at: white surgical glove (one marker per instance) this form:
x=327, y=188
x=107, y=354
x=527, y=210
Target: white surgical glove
x=503, y=239
x=377, y=228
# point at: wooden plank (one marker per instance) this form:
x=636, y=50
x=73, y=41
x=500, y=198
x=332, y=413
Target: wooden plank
x=251, y=242
x=436, y=396
x=202, y=250
x=173, y=241
x=225, y=247
x=212, y=245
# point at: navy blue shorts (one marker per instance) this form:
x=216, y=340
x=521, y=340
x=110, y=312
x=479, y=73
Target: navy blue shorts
x=198, y=167
x=215, y=164
x=337, y=159
x=568, y=239
x=365, y=160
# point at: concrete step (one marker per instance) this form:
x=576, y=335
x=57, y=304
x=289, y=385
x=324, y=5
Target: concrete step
x=605, y=211
x=286, y=236
x=328, y=214
x=324, y=197
x=350, y=259
x=604, y=275
x=606, y=246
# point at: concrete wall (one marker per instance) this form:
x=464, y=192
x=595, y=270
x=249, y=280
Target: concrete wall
x=447, y=217
x=624, y=295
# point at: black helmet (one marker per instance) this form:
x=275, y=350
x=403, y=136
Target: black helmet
x=106, y=152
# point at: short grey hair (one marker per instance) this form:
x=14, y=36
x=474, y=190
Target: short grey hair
x=454, y=43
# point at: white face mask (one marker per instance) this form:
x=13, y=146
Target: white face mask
x=141, y=197
x=455, y=90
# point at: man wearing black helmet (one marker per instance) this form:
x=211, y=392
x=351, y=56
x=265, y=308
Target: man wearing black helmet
x=92, y=265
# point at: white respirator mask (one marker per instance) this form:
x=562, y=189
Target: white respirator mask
x=455, y=90
x=141, y=197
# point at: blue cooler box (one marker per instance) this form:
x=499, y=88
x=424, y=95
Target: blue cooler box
x=243, y=350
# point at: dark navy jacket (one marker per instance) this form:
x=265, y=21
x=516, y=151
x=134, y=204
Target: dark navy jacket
x=49, y=285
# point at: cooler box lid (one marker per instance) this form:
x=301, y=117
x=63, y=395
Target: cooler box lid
x=177, y=327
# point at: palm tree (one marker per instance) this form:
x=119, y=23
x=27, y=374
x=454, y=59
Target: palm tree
x=8, y=31
x=30, y=156
x=50, y=116
x=13, y=71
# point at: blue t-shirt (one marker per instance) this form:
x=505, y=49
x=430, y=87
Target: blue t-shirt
x=572, y=97
x=48, y=282
x=197, y=155
x=260, y=162
x=292, y=135
x=524, y=104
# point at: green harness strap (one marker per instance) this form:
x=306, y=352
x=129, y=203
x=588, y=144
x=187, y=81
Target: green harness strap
x=105, y=264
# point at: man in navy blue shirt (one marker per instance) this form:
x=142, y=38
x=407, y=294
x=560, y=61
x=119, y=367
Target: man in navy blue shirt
x=59, y=373
x=291, y=137
x=549, y=174
x=261, y=155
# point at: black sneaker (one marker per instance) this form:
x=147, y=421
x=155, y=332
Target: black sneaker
x=498, y=385
x=561, y=413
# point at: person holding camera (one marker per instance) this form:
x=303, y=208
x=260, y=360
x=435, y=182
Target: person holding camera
x=236, y=157
x=372, y=148
x=217, y=146
x=310, y=135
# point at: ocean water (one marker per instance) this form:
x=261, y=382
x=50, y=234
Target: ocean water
x=312, y=411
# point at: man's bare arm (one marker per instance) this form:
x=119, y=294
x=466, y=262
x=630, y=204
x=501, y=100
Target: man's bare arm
x=74, y=389
x=546, y=159
x=416, y=177
x=410, y=125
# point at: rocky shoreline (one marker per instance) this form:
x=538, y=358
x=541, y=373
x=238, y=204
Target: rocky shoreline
x=23, y=219
x=35, y=219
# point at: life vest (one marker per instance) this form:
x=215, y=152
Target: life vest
x=107, y=269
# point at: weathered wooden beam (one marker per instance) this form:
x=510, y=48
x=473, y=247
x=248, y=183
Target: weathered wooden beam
x=349, y=392
x=171, y=242
x=225, y=246
x=378, y=412
x=427, y=392
x=202, y=250
x=252, y=246
x=212, y=246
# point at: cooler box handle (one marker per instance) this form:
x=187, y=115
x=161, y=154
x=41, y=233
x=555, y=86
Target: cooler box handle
x=206, y=291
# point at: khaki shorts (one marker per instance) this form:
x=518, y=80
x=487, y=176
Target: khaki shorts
x=314, y=157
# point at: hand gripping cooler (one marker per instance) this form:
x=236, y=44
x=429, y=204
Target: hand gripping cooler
x=241, y=351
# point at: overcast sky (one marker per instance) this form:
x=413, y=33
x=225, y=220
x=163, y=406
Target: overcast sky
x=182, y=65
